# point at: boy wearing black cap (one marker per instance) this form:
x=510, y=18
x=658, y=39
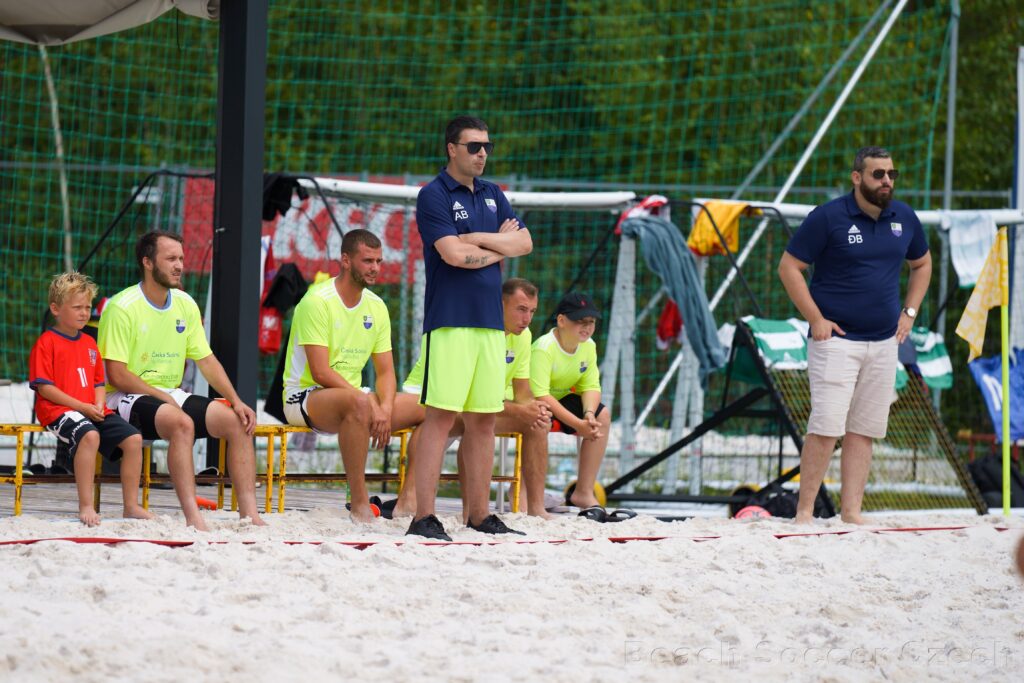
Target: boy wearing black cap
x=564, y=375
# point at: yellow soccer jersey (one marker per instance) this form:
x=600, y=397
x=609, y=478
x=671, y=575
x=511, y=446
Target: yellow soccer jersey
x=517, y=359
x=517, y=364
x=351, y=335
x=153, y=342
x=556, y=373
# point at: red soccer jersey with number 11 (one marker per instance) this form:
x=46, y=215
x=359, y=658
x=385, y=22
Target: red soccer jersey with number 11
x=72, y=364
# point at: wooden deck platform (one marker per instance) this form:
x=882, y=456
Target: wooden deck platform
x=61, y=500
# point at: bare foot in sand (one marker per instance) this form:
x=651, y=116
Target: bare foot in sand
x=404, y=508
x=137, y=512
x=852, y=518
x=255, y=520
x=802, y=518
x=362, y=513
x=539, y=512
x=197, y=522
x=525, y=509
x=88, y=516
x=253, y=516
x=583, y=501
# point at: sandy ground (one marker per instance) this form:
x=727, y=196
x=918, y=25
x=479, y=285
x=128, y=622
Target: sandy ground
x=901, y=606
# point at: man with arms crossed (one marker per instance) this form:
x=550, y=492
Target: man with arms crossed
x=145, y=334
x=467, y=227
x=858, y=244
x=521, y=412
x=336, y=328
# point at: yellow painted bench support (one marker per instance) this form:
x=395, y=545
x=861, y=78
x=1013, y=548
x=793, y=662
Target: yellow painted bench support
x=277, y=442
x=18, y=431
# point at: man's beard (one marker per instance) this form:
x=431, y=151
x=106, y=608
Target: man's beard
x=873, y=197
x=162, y=279
x=358, y=279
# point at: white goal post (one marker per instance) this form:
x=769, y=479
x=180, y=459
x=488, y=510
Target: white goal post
x=384, y=193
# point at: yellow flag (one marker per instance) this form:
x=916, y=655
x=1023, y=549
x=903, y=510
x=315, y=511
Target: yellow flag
x=991, y=290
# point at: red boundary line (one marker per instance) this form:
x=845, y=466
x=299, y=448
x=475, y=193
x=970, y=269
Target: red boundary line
x=362, y=545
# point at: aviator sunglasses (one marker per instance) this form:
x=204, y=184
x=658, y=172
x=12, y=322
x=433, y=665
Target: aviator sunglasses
x=475, y=147
x=879, y=173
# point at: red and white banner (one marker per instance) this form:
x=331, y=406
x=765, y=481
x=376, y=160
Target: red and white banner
x=306, y=236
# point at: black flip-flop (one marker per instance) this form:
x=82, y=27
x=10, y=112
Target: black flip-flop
x=620, y=515
x=387, y=508
x=594, y=513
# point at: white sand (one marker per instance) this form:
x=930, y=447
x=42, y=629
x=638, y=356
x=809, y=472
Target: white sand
x=942, y=605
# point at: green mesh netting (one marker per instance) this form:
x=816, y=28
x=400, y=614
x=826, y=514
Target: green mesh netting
x=682, y=98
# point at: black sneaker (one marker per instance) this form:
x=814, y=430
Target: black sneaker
x=492, y=524
x=428, y=527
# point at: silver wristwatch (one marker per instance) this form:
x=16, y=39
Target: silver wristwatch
x=911, y=312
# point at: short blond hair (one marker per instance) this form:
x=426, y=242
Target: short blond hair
x=68, y=284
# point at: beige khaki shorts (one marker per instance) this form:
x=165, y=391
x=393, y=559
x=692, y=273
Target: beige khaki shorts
x=852, y=386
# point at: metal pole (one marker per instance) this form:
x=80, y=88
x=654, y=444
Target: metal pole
x=1017, y=242
x=947, y=179
x=238, y=199
x=58, y=143
x=811, y=147
x=809, y=102
x=405, y=334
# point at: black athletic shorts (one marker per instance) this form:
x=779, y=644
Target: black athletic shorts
x=142, y=414
x=72, y=426
x=574, y=404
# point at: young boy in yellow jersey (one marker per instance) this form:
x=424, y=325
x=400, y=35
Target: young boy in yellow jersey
x=336, y=328
x=564, y=375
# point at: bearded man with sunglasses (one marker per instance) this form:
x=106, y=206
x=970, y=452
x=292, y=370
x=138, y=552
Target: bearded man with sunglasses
x=858, y=244
x=468, y=228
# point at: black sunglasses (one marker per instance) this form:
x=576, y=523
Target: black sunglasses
x=879, y=173
x=475, y=147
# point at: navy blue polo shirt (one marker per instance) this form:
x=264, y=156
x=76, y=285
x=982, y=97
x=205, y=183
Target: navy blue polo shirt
x=857, y=263
x=460, y=297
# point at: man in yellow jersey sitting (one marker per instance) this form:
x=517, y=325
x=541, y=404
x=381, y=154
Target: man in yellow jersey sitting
x=564, y=375
x=521, y=412
x=145, y=334
x=336, y=328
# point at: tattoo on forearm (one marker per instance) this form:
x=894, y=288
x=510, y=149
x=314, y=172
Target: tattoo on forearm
x=473, y=260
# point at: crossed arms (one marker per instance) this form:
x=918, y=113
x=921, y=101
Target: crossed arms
x=476, y=250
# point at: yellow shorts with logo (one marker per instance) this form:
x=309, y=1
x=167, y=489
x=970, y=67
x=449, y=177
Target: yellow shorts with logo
x=464, y=369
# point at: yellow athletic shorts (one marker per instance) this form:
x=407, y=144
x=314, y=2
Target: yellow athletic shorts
x=464, y=369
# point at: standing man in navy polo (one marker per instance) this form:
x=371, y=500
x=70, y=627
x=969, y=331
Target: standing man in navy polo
x=468, y=228
x=858, y=244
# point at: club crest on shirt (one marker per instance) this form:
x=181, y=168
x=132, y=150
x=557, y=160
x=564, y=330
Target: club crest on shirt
x=179, y=325
x=583, y=366
x=491, y=204
x=897, y=228
x=92, y=356
x=367, y=321
x=510, y=356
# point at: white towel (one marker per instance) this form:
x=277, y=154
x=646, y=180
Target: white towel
x=971, y=234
